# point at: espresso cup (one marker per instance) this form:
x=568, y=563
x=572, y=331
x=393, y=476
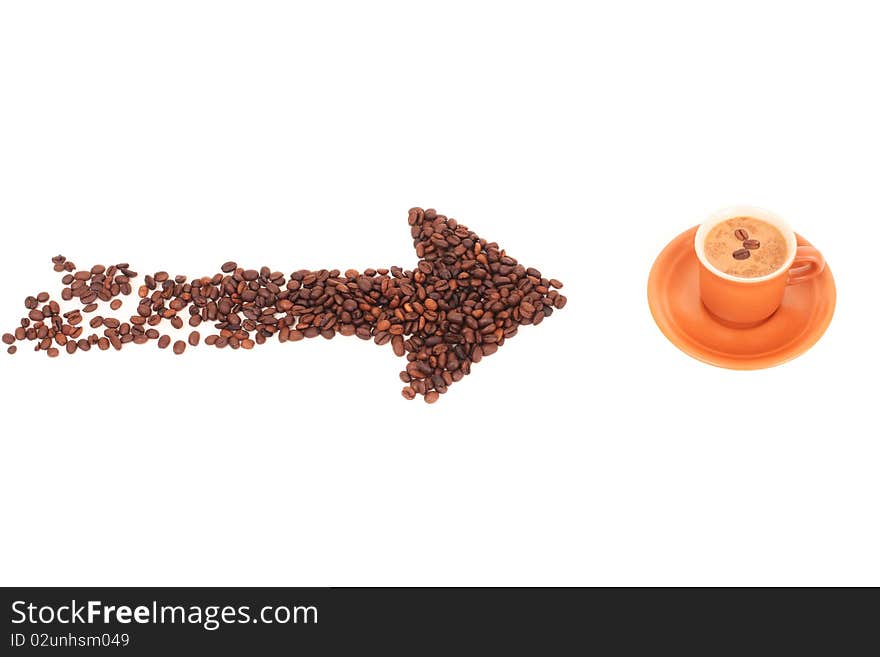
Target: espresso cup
x=745, y=302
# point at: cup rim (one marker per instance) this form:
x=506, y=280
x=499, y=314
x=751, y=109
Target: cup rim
x=732, y=212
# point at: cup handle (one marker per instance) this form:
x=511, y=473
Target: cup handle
x=808, y=263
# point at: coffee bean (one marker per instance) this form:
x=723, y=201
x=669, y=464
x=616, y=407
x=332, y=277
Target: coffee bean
x=11, y=350
x=464, y=298
x=752, y=244
x=52, y=352
x=741, y=234
x=8, y=338
x=741, y=254
x=408, y=393
x=179, y=347
x=70, y=346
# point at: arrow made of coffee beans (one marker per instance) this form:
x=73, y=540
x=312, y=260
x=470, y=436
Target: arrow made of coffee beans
x=463, y=300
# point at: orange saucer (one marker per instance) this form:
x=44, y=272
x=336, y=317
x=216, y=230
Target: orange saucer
x=674, y=298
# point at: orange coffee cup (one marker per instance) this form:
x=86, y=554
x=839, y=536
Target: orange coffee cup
x=745, y=302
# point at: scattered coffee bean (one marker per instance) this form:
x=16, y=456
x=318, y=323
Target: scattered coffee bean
x=8, y=338
x=179, y=347
x=116, y=304
x=228, y=267
x=52, y=352
x=741, y=234
x=742, y=254
x=194, y=338
x=751, y=245
x=11, y=350
x=164, y=341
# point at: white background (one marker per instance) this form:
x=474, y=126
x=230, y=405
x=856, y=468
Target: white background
x=177, y=135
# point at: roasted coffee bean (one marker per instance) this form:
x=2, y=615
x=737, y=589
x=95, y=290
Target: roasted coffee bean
x=11, y=349
x=8, y=338
x=70, y=347
x=751, y=245
x=741, y=234
x=741, y=254
x=464, y=298
x=179, y=347
x=52, y=352
x=408, y=393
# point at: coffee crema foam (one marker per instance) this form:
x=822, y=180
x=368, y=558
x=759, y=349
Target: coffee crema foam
x=746, y=247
